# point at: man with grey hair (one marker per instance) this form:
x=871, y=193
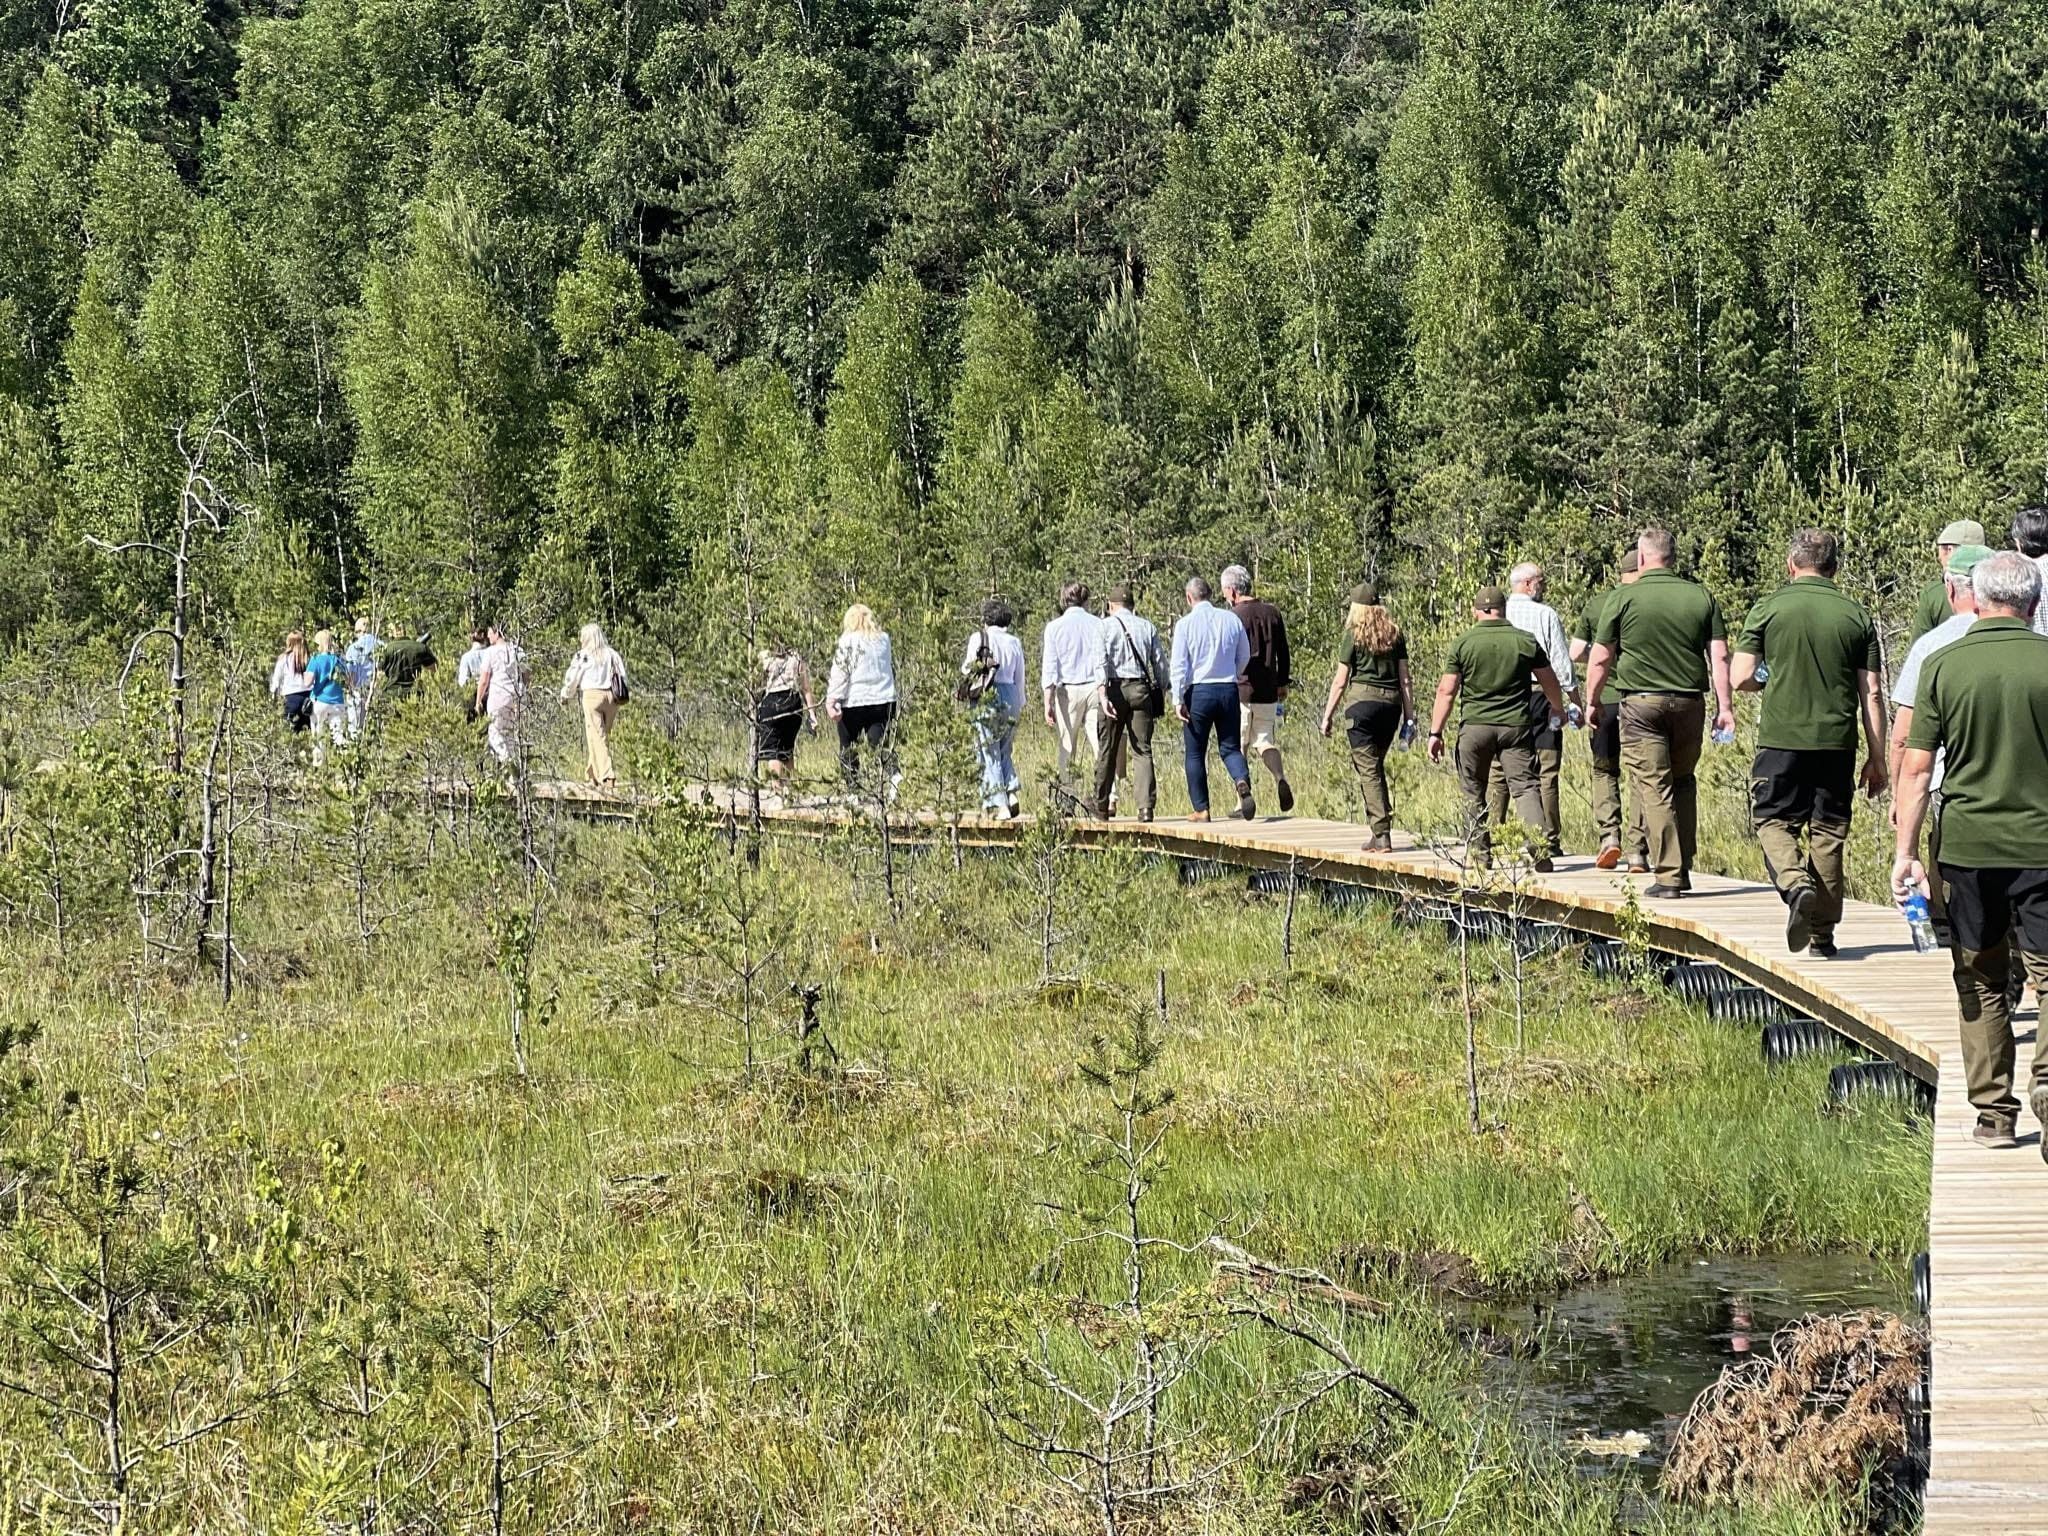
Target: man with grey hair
x=1983, y=705
x=1266, y=676
x=1812, y=652
x=1528, y=612
x=1210, y=653
x=1962, y=599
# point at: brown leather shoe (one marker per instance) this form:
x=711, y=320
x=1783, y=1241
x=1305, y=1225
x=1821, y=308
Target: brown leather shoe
x=1607, y=857
x=1198, y=815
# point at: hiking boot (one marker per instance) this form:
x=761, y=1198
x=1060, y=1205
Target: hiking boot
x=2038, y=1102
x=1198, y=815
x=1822, y=949
x=1247, y=807
x=1608, y=856
x=1379, y=842
x=1638, y=866
x=1544, y=865
x=1799, y=919
x=1662, y=892
x=1286, y=796
x=1995, y=1132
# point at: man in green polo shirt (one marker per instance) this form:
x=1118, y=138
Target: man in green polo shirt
x=1931, y=607
x=1983, y=705
x=1663, y=645
x=1494, y=665
x=1606, y=746
x=1819, y=652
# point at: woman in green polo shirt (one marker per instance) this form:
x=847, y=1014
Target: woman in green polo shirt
x=1372, y=684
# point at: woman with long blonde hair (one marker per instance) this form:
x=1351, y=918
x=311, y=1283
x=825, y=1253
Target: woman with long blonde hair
x=327, y=672
x=598, y=674
x=860, y=694
x=290, y=685
x=1379, y=701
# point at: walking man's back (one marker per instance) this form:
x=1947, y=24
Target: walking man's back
x=1813, y=653
x=1210, y=653
x=1266, y=676
x=1663, y=645
x=1983, y=705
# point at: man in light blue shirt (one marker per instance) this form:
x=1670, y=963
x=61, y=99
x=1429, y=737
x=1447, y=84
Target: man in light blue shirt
x=1210, y=654
x=1070, y=674
x=359, y=664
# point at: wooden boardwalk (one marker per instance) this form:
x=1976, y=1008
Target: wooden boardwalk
x=1988, y=1221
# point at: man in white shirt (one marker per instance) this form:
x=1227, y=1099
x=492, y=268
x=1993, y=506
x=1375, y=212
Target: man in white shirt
x=1070, y=673
x=1962, y=602
x=1528, y=612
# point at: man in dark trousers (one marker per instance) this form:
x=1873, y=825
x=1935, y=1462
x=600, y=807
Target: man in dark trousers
x=1983, y=705
x=1819, y=652
x=1606, y=745
x=1663, y=644
x=1134, y=681
x=1493, y=665
x=1265, y=679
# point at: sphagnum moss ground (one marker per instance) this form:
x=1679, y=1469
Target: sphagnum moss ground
x=769, y=1304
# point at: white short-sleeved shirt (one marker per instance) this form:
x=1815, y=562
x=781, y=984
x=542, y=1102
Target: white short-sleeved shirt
x=1906, y=686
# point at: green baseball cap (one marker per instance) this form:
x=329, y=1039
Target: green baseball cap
x=1965, y=558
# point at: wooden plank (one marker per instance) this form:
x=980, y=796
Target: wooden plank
x=1988, y=1211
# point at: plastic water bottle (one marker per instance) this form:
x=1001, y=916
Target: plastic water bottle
x=1763, y=673
x=1918, y=922
x=1573, y=716
x=1407, y=734
x=1724, y=738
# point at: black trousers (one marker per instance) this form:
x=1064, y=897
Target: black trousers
x=864, y=721
x=1985, y=906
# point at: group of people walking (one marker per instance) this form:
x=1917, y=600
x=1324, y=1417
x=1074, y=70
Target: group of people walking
x=1106, y=679
x=329, y=692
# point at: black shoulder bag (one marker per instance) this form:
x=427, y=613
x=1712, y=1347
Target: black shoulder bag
x=976, y=681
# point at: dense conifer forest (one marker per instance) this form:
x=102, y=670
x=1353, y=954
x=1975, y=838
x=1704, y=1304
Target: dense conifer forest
x=599, y=308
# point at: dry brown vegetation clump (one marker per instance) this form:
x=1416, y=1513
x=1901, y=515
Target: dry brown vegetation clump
x=1827, y=1408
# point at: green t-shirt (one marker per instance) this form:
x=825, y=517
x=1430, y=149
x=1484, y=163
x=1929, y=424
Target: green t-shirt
x=1815, y=641
x=1496, y=665
x=1660, y=628
x=1588, y=627
x=1931, y=609
x=1378, y=671
x=1984, y=704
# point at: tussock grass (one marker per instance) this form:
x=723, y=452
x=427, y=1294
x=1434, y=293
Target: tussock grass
x=778, y=1290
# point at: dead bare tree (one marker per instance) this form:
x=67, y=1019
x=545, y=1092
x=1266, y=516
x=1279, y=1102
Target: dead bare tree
x=206, y=511
x=1104, y=1422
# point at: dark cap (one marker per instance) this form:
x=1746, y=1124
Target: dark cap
x=1490, y=600
x=1366, y=595
x=1631, y=561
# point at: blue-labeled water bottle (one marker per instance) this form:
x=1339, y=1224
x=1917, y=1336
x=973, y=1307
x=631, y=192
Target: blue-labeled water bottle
x=1724, y=738
x=1407, y=733
x=1763, y=673
x=1919, y=922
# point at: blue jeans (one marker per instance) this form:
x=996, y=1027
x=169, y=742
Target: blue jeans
x=995, y=733
x=1211, y=707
